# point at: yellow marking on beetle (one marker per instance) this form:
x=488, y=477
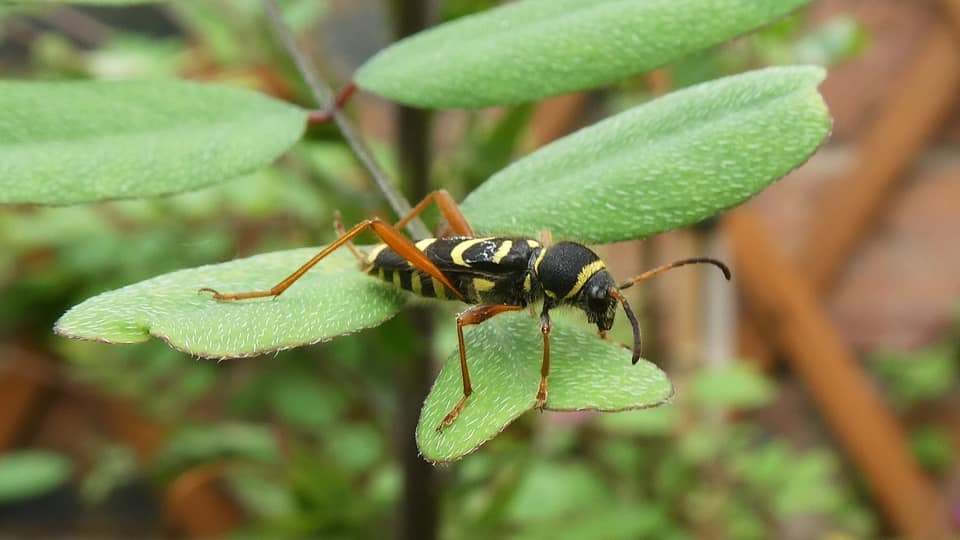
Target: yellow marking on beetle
x=415, y=284
x=502, y=251
x=456, y=254
x=585, y=274
x=526, y=283
x=551, y=294
x=533, y=243
x=372, y=255
x=422, y=245
x=396, y=279
x=536, y=264
x=483, y=285
x=439, y=289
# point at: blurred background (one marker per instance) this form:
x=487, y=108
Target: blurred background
x=817, y=395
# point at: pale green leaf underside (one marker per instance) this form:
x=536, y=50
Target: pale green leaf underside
x=665, y=164
x=70, y=142
x=333, y=299
x=532, y=49
x=504, y=356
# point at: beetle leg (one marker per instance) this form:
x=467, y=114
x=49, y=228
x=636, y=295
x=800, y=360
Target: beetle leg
x=390, y=236
x=338, y=227
x=602, y=334
x=546, y=326
x=474, y=315
x=546, y=238
x=448, y=207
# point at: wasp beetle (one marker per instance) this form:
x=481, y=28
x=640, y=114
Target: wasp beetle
x=495, y=274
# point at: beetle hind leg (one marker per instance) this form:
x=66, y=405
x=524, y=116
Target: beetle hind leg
x=546, y=327
x=474, y=315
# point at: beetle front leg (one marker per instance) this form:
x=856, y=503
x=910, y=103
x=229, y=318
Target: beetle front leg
x=546, y=326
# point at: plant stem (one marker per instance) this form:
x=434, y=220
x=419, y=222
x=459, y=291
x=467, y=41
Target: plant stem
x=324, y=96
x=418, y=510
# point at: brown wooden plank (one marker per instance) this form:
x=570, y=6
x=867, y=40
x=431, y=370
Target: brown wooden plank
x=198, y=505
x=924, y=97
x=555, y=117
x=194, y=502
x=853, y=409
x=23, y=383
x=951, y=9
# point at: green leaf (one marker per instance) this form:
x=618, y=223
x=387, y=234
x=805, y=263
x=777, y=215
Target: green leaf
x=30, y=473
x=549, y=491
x=658, y=422
x=528, y=50
x=504, y=356
x=666, y=164
x=194, y=445
x=836, y=40
x=735, y=385
x=332, y=299
x=70, y=142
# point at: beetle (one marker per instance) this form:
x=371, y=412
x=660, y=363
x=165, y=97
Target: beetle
x=493, y=274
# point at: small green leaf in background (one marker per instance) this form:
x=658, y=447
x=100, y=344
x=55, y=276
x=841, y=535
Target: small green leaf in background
x=334, y=298
x=666, y=164
x=504, y=356
x=114, y=466
x=932, y=446
x=196, y=445
x=836, y=40
x=550, y=491
x=528, y=50
x=31, y=473
x=916, y=376
x=737, y=385
x=70, y=142
x=656, y=422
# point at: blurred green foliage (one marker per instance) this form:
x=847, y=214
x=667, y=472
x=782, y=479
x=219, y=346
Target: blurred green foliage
x=308, y=445
x=30, y=473
x=920, y=382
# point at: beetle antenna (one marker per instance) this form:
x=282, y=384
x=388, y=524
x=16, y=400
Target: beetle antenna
x=614, y=293
x=695, y=260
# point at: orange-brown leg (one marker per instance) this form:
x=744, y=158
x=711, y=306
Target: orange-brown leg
x=338, y=227
x=546, y=326
x=546, y=238
x=474, y=315
x=448, y=207
x=393, y=238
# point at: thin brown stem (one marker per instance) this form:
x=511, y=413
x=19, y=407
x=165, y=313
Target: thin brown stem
x=324, y=96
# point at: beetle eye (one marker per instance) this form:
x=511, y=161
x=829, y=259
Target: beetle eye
x=597, y=300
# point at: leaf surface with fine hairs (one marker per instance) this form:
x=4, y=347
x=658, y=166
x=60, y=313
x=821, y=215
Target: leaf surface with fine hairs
x=80, y=141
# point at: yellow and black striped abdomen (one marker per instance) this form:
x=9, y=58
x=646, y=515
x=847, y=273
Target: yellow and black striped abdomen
x=484, y=270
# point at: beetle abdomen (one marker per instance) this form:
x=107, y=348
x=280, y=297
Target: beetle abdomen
x=489, y=270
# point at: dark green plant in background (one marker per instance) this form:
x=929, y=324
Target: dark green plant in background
x=651, y=168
